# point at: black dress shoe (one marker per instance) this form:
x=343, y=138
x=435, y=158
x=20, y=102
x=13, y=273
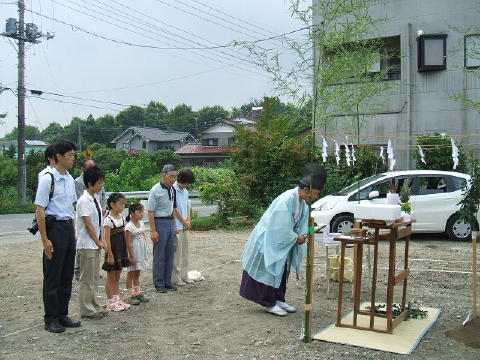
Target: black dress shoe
x=54, y=327
x=160, y=289
x=171, y=288
x=69, y=323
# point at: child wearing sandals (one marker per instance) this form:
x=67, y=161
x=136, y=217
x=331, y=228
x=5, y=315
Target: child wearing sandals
x=116, y=253
x=135, y=235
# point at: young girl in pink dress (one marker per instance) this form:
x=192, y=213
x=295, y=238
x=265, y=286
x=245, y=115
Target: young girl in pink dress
x=116, y=254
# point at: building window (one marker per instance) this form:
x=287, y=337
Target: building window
x=125, y=145
x=210, y=142
x=432, y=52
x=389, y=59
x=169, y=146
x=144, y=145
x=472, y=51
x=381, y=58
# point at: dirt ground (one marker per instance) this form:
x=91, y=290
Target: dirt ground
x=209, y=320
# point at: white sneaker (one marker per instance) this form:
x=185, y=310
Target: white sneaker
x=276, y=310
x=180, y=283
x=286, y=307
x=188, y=281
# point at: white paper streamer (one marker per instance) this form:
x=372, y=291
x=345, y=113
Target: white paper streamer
x=382, y=154
x=389, y=149
x=337, y=153
x=454, y=154
x=324, y=150
x=422, y=155
x=347, y=154
x=391, y=155
x=354, y=159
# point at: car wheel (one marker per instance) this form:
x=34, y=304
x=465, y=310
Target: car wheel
x=342, y=224
x=458, y=229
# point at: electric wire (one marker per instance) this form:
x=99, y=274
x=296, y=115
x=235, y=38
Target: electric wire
x=148, y=30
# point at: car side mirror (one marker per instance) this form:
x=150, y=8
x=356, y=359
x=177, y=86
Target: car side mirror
x=373, y=194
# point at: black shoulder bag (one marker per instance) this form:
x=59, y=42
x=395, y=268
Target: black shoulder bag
x=48, y=220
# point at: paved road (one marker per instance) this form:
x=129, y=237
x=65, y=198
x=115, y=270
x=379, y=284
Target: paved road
x=13, y=227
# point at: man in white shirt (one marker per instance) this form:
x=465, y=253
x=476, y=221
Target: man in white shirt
x=55, y=223
x=89, y=243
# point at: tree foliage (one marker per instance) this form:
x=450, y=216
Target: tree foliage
x=339, y=176
x=471, y=193
x=269, y=160
x=438, y=154
x=31, y=133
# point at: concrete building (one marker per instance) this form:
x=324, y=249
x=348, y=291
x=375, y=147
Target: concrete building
x=434, y=41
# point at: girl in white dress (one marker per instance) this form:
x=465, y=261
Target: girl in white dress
x=135, y=235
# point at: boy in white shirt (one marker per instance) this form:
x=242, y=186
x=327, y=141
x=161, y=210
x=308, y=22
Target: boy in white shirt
x=89, y=243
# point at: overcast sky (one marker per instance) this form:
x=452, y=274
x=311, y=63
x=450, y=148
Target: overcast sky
x=133, y=52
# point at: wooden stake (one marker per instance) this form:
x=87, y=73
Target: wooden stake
x=309, y=283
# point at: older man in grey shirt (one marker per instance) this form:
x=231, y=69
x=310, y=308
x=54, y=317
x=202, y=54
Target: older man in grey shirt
x=161, y=202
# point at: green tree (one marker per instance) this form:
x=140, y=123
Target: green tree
x=51, y=131
x=131, y=116
x=246, y=109
x=162, y=157
x=155, y=114
x=108, y=159
x=11, y=151
x=31, y=133
x=34, y=162
x=106, y=121
x=181, y=118
x=268, y=161
x=8, y=171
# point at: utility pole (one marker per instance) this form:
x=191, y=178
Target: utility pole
x=22, y=171
x=23, y=33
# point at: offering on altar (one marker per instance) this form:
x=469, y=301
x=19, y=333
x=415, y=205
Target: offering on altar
x=384, y=212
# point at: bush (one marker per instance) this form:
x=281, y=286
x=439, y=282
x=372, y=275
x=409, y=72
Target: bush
x=9, y=202
x=340, y=176
x=209, y=223
x=438, y=154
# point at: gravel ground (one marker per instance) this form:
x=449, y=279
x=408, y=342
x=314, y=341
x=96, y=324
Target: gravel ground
x=209, y=320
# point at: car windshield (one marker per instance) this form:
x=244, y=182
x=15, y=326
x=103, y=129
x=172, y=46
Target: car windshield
x=356, y=185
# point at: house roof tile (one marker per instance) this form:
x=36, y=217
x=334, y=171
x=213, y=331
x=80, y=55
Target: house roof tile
x=153, y=134
x=199, y=149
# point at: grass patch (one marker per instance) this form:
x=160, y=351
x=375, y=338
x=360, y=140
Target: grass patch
x=16, y=208
x=215, y=222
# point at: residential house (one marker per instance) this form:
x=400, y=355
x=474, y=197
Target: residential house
x=196, y=154
x=216, y=141
x=29, y=145
x=151, y=139
x=434, y=41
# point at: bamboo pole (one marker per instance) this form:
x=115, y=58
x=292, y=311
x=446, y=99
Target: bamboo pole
x=474, y=273
x=309, y=282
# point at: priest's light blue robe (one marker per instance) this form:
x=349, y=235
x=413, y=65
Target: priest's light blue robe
x=273, y=241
